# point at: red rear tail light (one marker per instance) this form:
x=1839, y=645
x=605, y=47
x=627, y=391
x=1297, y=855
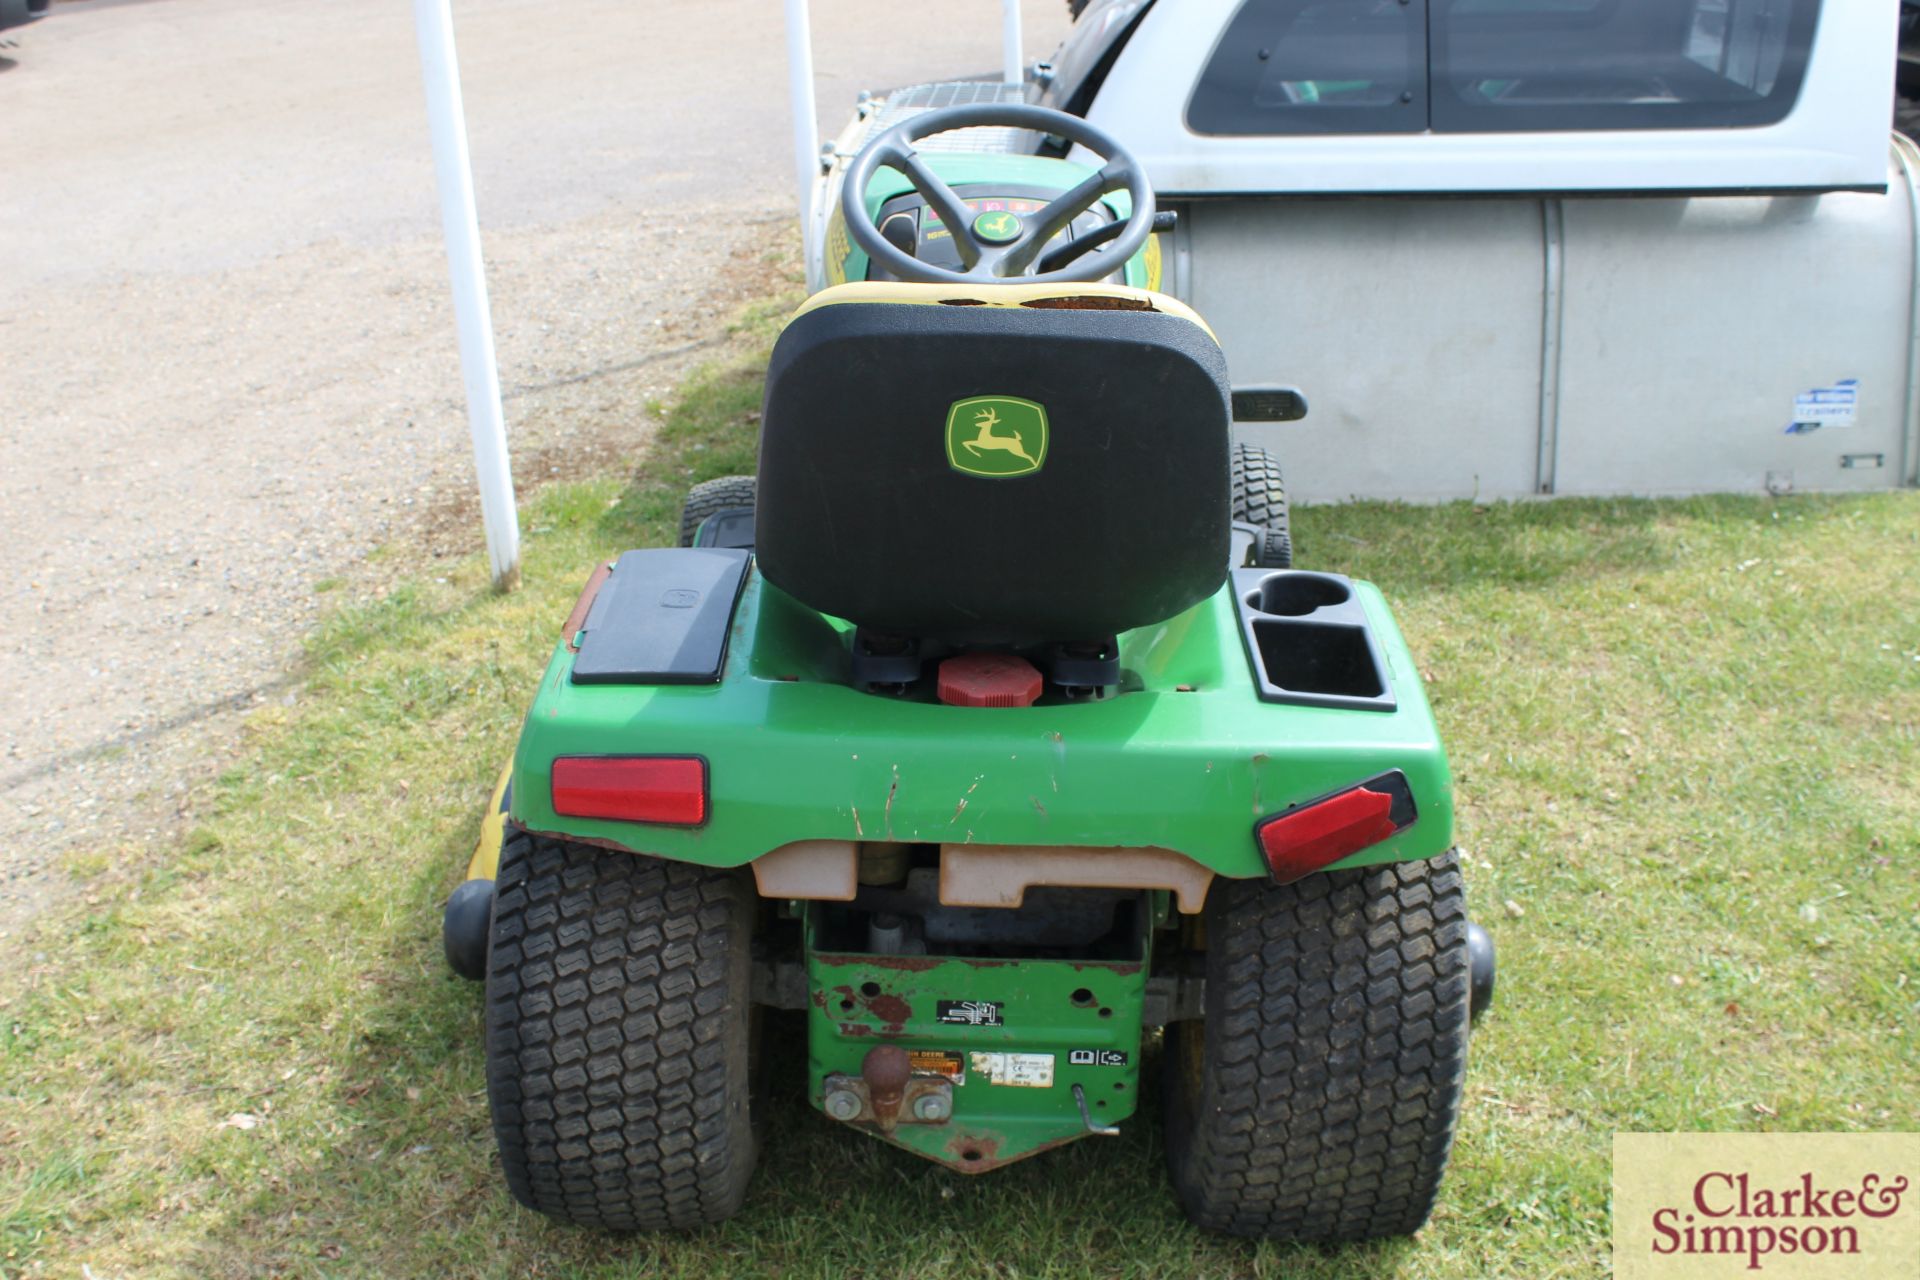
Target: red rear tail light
x=671, y=790
x=1318, y=834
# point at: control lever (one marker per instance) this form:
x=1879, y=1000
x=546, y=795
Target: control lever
x=1074, y=249
x=1086, y=1116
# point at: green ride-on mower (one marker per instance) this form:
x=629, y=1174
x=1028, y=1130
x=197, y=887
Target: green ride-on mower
x=989, y=726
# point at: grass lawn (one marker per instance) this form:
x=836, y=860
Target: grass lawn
x=1685, y=734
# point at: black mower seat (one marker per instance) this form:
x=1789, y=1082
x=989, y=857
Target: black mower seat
x=1013, y=465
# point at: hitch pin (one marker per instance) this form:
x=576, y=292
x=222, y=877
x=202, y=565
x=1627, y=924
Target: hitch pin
x=1086, y=1116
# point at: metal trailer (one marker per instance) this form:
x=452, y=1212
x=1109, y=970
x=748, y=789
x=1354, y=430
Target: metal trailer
x=1489, y=284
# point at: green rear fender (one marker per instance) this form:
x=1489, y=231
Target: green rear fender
x=1186, y=758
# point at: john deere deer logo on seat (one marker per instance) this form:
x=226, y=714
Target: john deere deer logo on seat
x=996, y=436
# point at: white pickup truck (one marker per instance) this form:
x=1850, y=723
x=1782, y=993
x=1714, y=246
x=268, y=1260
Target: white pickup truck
x=1519, y=247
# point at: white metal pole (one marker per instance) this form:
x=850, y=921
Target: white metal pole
x=806, y=139
x=1012, y=63
x=453, y=172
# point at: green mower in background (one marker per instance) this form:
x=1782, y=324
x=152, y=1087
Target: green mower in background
x=990, y=726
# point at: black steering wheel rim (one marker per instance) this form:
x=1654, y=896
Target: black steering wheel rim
x=987, y=261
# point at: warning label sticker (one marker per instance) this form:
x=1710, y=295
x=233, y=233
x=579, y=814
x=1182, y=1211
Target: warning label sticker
x=970, y=1013
x=938, y=1062
x=1023, y=1070
x=1096, y=1058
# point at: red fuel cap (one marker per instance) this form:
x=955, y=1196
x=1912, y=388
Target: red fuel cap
x=989, y=680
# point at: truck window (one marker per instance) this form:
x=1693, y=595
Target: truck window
x=1479, y=66
x=1502, y=65
x=1316, y=66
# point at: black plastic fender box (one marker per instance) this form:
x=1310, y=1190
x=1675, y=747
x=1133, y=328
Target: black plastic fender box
x=662, y=617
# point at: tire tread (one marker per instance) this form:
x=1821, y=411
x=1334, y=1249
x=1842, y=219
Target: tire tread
x=617, y=1023
x=1260, y=497
x=1333, y=1054
x=711, y=496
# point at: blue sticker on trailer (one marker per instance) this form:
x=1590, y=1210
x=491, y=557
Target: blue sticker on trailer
x=1834, y=406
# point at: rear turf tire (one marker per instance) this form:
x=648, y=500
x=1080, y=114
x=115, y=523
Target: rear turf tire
x=710, y=497
x=1316, y=1100
x=619, y=1045
x=1260, y=497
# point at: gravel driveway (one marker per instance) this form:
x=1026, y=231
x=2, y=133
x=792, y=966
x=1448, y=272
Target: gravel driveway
x=229, y=367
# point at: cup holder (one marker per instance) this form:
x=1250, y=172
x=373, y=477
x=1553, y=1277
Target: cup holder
x=1310, y=641
x=1317, y=659
x=1295, y=595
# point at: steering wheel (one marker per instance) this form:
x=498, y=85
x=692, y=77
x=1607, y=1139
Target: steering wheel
x=997, y=247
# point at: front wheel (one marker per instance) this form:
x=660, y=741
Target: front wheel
x=1259, y=497
x=619, y=1036
x=709, y=498
x=1316, y=1100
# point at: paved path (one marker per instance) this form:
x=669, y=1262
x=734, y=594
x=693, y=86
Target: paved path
x=227, y=366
